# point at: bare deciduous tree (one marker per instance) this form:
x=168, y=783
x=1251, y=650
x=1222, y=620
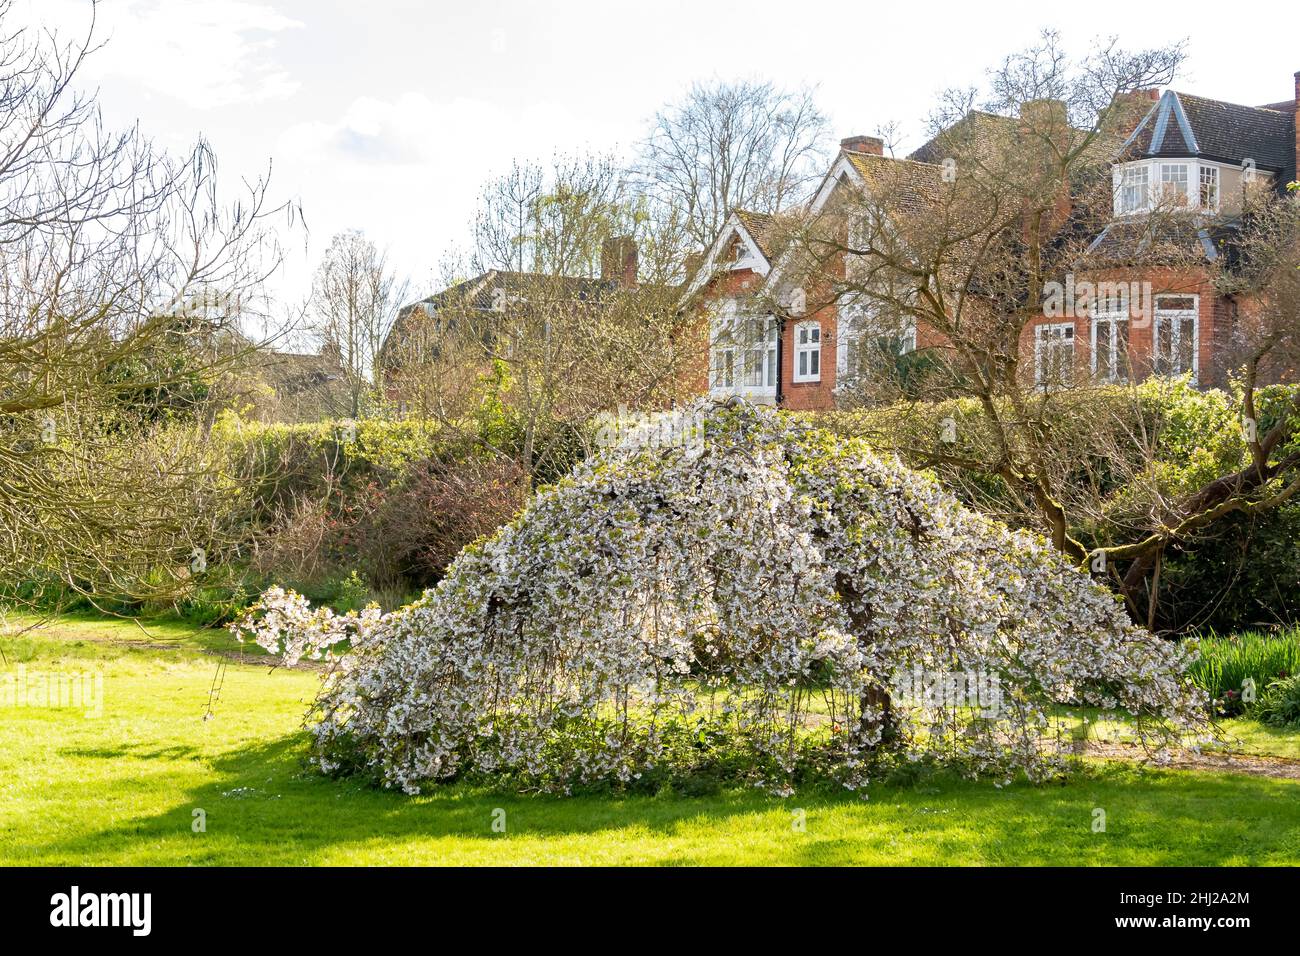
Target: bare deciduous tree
x=354, y=300
x=124, y=275
x=543, y=333
x=965, y=245
x=725, y=146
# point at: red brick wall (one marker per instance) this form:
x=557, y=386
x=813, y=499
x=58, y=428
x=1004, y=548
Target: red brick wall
x=695, y=364
x=1213, y=326
x=1216, y=316
x=810, y=396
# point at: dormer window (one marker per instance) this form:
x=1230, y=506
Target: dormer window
x=1172, y=184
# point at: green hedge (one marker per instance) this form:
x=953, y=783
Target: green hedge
x=1244, y=571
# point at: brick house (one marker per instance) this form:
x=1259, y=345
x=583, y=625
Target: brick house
x=1190, y=152
x=416, y=335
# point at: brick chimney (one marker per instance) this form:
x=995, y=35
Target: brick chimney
x=618, y=261
x=1130, y=108
x=1049, y=120
x=864, y=144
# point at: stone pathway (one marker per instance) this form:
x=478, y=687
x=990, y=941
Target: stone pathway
x=1255, y=765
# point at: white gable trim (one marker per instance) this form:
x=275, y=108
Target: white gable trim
x=753, y=259
x=842, y=167
x=830, y=182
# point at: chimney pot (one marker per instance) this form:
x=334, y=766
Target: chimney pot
x=864, y=144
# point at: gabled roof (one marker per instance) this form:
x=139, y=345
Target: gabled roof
x=908, y=185
x=761, y=228
x=977, y=128
x=758, y=233
x=484, y=293
x=1181, y=124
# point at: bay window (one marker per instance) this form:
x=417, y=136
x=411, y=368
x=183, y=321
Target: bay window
x=1139, y=185
x=869, y=345
x=742, y=352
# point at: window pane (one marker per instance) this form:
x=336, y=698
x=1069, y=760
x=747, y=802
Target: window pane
x=1186, y=344
x=803, y=363
x=1173, y=182
x=1209, y=187
x=1121, y=350
x=1134, y=194
x=814, y=362
x=1105, y=344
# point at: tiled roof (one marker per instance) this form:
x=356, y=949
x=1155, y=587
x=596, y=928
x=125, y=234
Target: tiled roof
x=761, y=227
x=1182, y=124
x=907, y=185
x=977, y=128
x=484, y=291
x=1168, y=239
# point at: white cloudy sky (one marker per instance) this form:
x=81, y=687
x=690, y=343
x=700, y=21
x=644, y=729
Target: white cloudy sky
x=387, y=115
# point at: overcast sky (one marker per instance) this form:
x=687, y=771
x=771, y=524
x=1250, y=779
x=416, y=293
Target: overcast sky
x=387, y=115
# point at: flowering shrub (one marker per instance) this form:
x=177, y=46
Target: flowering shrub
x=760, y=595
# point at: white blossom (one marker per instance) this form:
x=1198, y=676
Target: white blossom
x=724, y=593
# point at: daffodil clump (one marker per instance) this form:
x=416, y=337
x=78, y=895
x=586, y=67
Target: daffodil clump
x=773, y=593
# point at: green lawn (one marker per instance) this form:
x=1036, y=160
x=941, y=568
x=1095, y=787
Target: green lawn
x=122, y=787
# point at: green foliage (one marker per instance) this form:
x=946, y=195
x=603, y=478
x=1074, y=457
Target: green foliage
x=1279, y=705
x=1226, y=663
x=1116, y=456
x=1244, y=574
x=166, y=382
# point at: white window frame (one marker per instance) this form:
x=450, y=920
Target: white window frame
x=1125, y=205
x=1202, y=181
x=1161, y=318
x=808, y=352
x=1148, y=193
x=1111, y=319
x=722, y=367
x=1184, y=182
x=762, y=345
x=854, y=323
x=1050, y=333
x=731, y=350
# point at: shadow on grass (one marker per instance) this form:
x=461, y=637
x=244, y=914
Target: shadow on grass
x=266, y=807
x=133, y=751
